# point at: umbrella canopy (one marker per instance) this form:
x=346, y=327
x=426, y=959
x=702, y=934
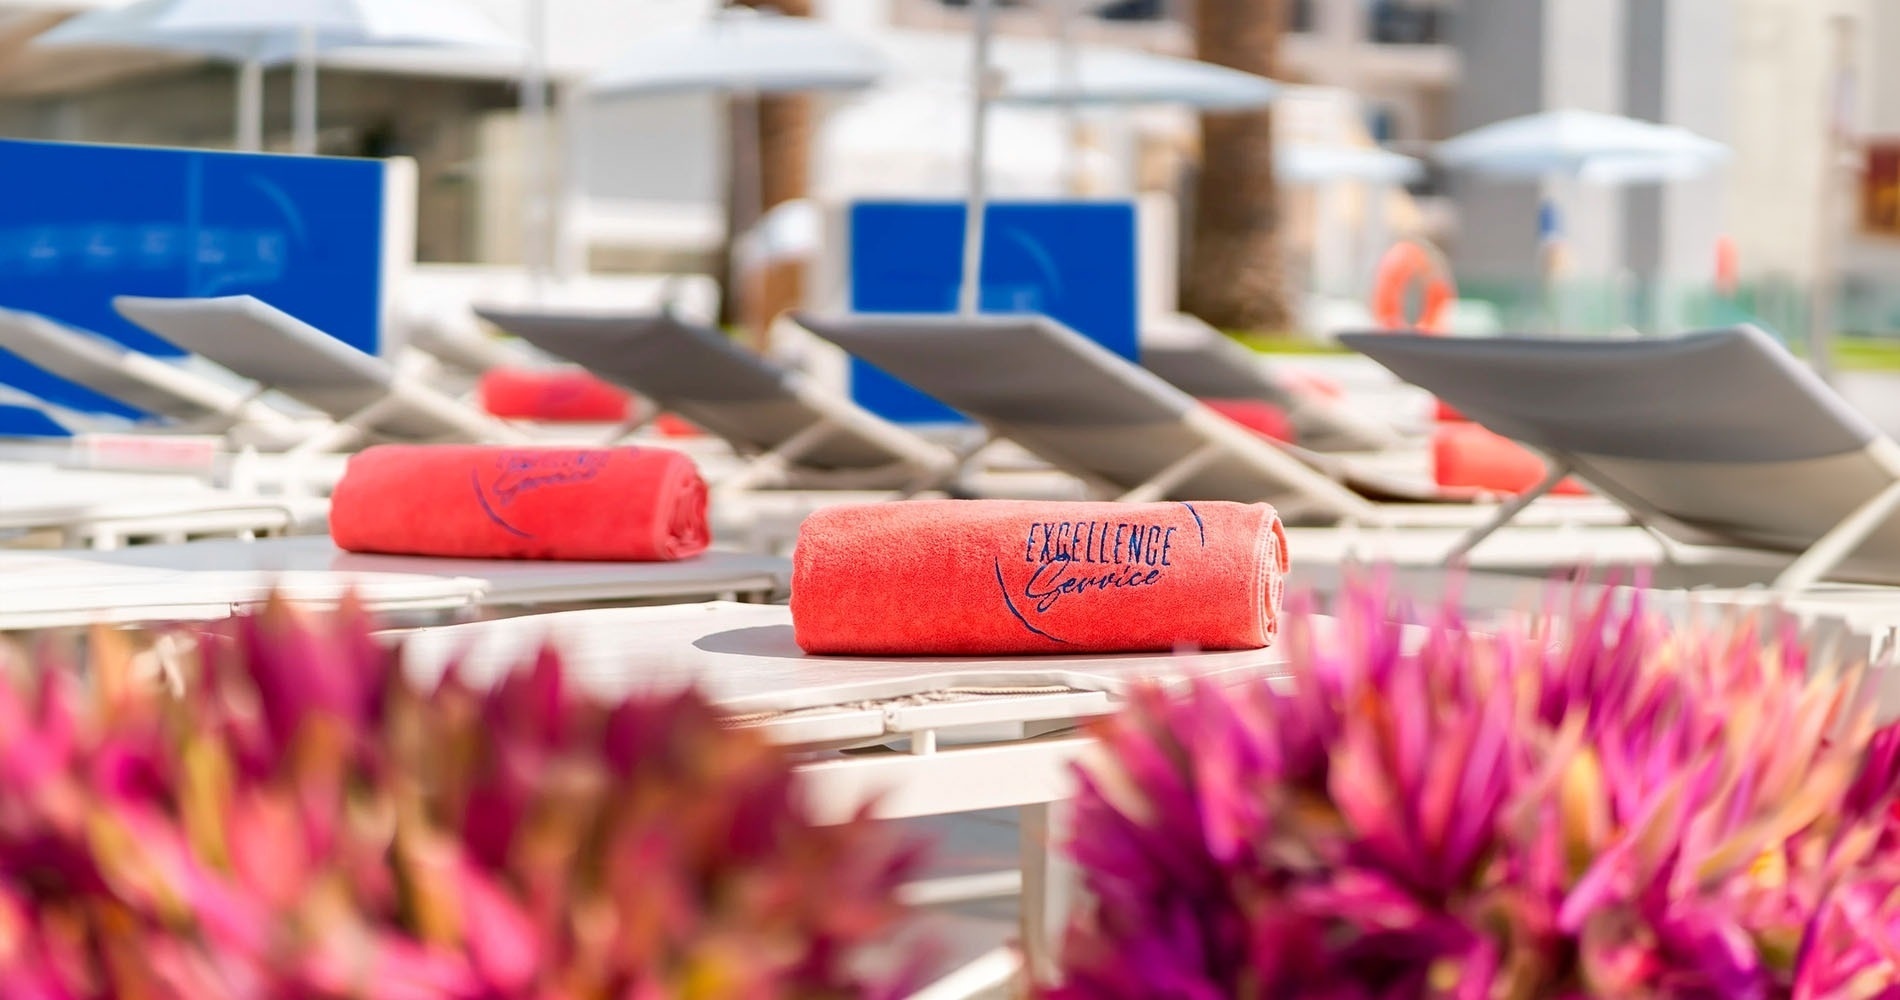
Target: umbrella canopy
x=1307, y=163
x=742, y=51
x=345, y=22
x=268, y=31
x=1618, y=171
x=259, y=32
x=1561, y=143
x=142, y=26
x=1127, y=76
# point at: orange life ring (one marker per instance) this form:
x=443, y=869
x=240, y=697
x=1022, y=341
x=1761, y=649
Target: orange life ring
x=1401, y=266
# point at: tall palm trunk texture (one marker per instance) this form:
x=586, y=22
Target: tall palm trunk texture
x=782, y=173
x=1235, y=276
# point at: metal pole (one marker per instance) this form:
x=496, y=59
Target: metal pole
x=748, y=208
x=1068, y=78
x=1827, y=227
x=306, y=98
x=970, y=293
x=534, y=150
x=570, y=244
x=250, y=106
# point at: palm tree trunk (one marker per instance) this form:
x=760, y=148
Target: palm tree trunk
x=1235, y=277
x=783, y=146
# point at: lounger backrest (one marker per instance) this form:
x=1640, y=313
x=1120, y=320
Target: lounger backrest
x=1068, y=400
x=113, y=370
x=467, y=350
x=700, y=374
x=275, y=349
x=1212, y=366
x=1723, y=433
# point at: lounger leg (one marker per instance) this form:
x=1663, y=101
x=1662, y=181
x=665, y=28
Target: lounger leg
x=1505, y=513
x=774, y=463
x=990, y=972
x=1174, y=475
x=1045, y=896
x=349, y=430
x=645, y=415
x=1840, y=541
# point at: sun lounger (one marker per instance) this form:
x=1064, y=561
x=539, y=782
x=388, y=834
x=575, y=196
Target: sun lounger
x=107, y=509
x=40, y=590
x=1064, y=399
x=505, y=583
x=1120, y=428
x=187, y=401
x=364, y=395
x=470, y=351
x=1202, y=362
x=797, y=433
x=1716, y=439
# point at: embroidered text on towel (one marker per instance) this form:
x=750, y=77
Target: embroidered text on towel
x=1075, y=557
x=528, y=471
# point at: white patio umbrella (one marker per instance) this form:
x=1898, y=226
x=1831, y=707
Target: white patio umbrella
x=742, y=53
x=1561, y=143
x=1128, y=76
x=741, y=50
x=1313, y=163
x=1571, y=146
x=257, y=33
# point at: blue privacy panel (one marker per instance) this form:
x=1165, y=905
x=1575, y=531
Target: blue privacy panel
x=1070, y=261
x=82, y=223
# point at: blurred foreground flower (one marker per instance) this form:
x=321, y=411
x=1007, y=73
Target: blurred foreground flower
x=1638, y=811
x=303, y=823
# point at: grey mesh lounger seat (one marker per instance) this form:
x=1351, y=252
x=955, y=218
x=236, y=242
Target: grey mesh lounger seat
x=1206, y=364
x=799, y=431
x=1718, y=438
x=187, y=399
x=365, y=395
x=1065, y=399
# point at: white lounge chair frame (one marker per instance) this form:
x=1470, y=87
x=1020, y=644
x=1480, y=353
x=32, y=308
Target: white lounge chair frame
x=364, y=395
x=1726, y=388
x=652, y=354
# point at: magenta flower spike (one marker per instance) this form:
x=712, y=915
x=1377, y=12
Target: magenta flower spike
x=1594, y=802
x=301, y=824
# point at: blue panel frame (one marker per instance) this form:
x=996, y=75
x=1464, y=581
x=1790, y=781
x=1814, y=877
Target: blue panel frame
x=83, y=223
x=1073, y=261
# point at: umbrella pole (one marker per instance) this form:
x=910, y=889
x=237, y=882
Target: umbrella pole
x=306, y=98
x=747, y=190
x=970, y=292
x=1067, y=78
x=250, y=106
x=534, y=150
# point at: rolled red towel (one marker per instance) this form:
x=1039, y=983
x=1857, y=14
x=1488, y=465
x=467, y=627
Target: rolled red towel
x=1009, y=577
x=1466, y=456
x=559, y=395
x=471, y=501
x=1443, y=413
x=1261, y=417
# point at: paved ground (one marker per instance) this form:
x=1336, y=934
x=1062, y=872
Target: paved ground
x=972, y=843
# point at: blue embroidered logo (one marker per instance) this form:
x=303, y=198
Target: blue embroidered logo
x=1076, y=558
x=524, y=472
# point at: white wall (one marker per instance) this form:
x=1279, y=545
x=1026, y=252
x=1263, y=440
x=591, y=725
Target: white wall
x=1781, y=88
